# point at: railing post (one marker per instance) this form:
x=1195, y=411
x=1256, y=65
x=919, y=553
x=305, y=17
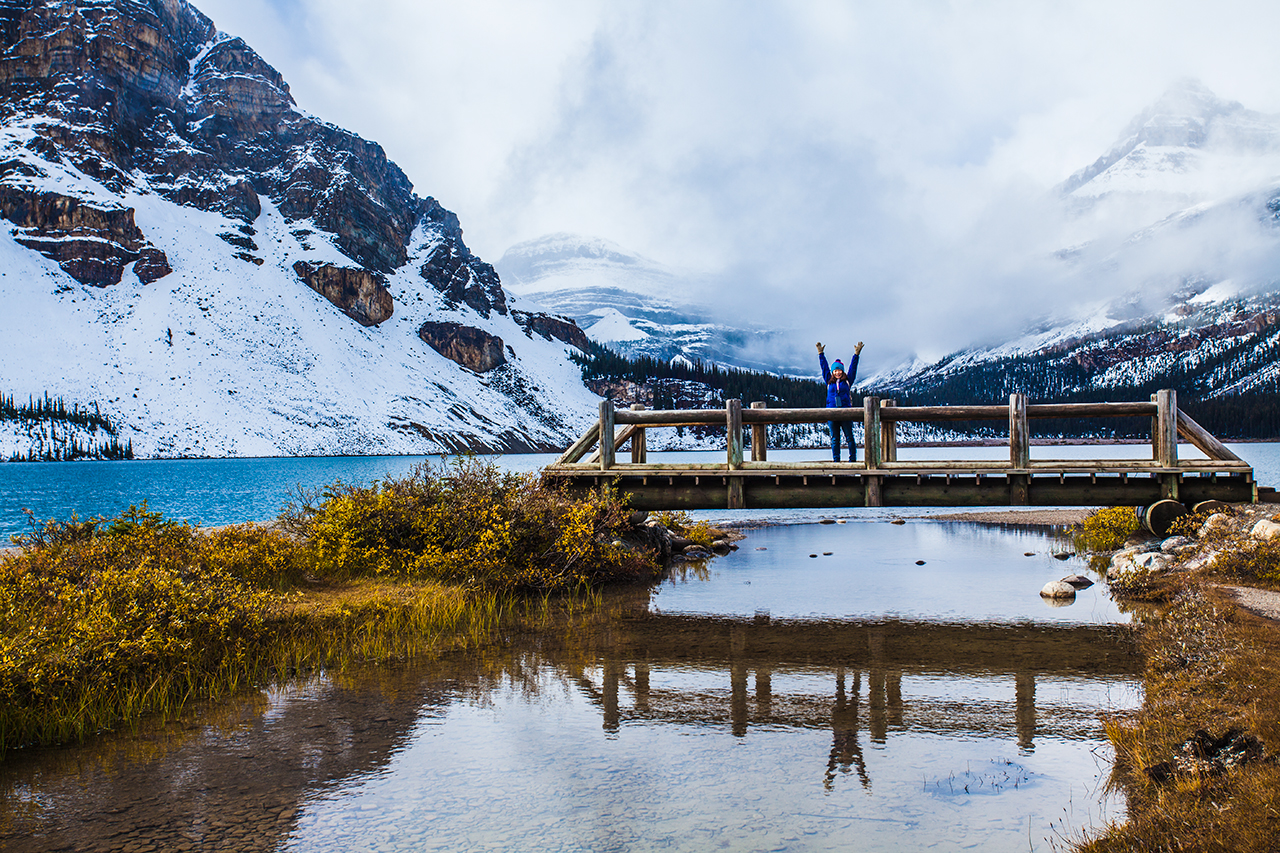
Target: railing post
x=639, y=451
x=871, y=432
x=733, y=420
x=759, y=438
x=888, y=435
x=606, y=435
x=1155, y=430
x=871, y=450
x=1019, y=435
x=1167, y=429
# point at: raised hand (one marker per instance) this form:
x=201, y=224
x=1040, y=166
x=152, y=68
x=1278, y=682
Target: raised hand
x=858, y=348
x=820, y=349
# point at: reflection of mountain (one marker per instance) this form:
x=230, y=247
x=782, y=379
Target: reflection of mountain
x=240, y=778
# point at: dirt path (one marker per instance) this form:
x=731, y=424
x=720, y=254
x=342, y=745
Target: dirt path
x=1262, y=602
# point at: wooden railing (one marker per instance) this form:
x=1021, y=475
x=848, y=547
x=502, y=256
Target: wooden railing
x=880, y=446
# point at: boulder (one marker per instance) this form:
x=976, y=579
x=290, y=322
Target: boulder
x=473, y=348
x=1177, y=544
x=358, y=293
x=1219, y=521
x=1153, y=561
x=1128, y=561
x=551, y=326
x=1265, y=529
x=1058, y=589
x=1078, y=581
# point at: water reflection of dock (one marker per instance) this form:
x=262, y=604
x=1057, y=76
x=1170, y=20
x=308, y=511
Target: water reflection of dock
x=848, y=677
x=240, y=777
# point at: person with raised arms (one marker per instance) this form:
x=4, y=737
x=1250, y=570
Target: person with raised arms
x=839, y=395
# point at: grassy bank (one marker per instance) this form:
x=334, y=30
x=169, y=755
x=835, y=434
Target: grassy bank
x=1212, y=668
x=102, y=621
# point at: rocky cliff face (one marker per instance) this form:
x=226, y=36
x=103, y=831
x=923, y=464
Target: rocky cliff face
x=228, y=275
x=148, y=91
x=91, y=243
x=552, y=326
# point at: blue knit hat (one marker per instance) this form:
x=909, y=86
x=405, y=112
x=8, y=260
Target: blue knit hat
x=839, y=365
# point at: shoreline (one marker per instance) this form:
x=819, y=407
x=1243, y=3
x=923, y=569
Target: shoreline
x=1024, y=518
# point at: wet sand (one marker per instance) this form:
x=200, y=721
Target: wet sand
x=1029, y=517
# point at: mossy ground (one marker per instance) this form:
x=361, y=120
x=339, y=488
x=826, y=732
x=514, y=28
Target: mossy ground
x=1213, y=666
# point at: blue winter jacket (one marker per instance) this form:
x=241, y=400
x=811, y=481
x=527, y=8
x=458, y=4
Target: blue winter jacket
x=838, y=393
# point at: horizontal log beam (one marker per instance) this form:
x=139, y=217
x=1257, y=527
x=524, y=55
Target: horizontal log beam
x=817, y=491
x=709, y=417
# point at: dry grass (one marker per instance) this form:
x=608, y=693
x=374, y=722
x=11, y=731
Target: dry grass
x=1210, y=666
x=106, y=620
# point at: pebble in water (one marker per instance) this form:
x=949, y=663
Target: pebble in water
x=919, y=562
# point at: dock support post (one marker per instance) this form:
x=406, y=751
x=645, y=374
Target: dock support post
x=639, y=449
x=733, y=419
x=1166, y=441
x=871, y=432
x=888, y=435
x=1167, y=428
x=606, y=435
x=736, y=499
x=759, y=438
x=1019, y=435
x=872, y=495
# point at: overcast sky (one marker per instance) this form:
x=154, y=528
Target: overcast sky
x=863, y=171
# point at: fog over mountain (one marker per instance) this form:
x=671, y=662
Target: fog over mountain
x=846, y=171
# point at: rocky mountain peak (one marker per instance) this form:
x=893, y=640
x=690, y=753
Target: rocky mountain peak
x=1170, y=137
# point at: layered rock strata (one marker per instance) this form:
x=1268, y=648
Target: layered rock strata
x=148, y=96
x=93, y=245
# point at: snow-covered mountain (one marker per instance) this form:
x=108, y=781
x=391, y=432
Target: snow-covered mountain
x=634, y=305
x=1195, y=293
x=224, y=274
x=1188, y=147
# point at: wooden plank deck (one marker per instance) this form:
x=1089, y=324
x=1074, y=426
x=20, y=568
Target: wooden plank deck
x=881, y=479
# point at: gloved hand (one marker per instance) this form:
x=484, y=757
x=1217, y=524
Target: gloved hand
x=856, y=350
x=820, y=349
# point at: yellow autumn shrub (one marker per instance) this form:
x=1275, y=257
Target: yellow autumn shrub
x=1105, y=529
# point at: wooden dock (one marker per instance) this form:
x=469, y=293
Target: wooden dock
x=881, y=479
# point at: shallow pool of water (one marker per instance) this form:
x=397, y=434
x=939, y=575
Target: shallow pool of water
x=765, y=701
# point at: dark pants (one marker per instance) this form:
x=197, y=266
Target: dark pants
x=836, y=428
